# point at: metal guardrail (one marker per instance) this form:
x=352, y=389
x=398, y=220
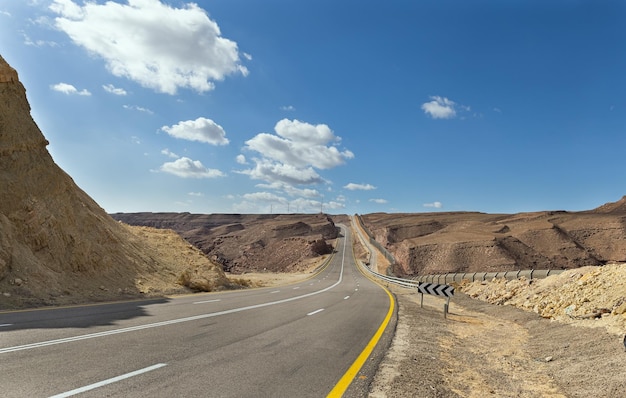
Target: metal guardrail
x=442, y=279
x=391, y=279
x=483, y=276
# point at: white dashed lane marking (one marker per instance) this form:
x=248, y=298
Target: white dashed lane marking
x=207, y=301
x=108, y=381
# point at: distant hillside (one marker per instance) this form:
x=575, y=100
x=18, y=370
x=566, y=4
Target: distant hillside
x=618, y=207
x=248, y=242
x=432, y=243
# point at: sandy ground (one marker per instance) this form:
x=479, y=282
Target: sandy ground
x=481, y=350
x=268, y=279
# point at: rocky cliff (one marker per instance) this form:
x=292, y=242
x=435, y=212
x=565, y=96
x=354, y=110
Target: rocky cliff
x=55, y=241
x=433, y=243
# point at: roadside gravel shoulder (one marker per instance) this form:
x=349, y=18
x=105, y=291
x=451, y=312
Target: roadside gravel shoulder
x=487, y=350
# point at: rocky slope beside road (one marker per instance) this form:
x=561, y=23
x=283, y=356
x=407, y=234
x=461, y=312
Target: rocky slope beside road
x=56, y=244
x=588, y=296
x=436, y=243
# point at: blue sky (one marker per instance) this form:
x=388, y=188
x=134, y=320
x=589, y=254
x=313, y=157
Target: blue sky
x=231, y=106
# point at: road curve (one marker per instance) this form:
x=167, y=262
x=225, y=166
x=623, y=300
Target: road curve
x=303, y=340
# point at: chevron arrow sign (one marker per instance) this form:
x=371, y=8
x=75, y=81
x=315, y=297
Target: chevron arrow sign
x=436, y=290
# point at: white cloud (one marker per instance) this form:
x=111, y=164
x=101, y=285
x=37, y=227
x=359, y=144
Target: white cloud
x=303, y=192
x=292, y=154
x=197, y=194
x=436, y=205
x=290, y=158
x=68, y=89
x=38, y=43
x=264, y=197
x=135, y=140
x=291, y=190
x=187, y=168
x=440, y=108
x=201, y=129
x=169, y=153
x=267, y=170
x=138, y=108
x=379, y=201
x=154, y=44
x=109, y=88
x=332, y=205
x=359, y=187
x=300, y=144
x=241, y=159
x=67, y=8
x=287, y=108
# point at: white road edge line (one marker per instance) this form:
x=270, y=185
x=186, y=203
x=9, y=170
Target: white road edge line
x=207, y=301
x=347, y=297
x=6, y=324
x=173, y=321
x=275, y=291
x=315, y=312
x=109, y=381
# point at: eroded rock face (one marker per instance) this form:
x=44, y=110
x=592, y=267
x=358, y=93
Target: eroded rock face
x=248, y=242
x=53, y=236
x=434, y=243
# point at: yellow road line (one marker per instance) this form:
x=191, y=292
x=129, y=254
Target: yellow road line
x=347, y=378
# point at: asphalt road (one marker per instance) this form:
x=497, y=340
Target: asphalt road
x=300, y=340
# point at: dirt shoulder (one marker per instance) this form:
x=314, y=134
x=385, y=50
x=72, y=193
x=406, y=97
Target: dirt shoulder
x=267, y=279
x=486, y=350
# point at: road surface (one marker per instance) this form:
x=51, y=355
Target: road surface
x=302, y=340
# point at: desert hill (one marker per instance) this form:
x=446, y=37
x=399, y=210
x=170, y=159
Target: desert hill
x=248, y=242
x=57, y=245
x=433, y=243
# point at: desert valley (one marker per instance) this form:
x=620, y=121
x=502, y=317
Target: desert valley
x=561, y=336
